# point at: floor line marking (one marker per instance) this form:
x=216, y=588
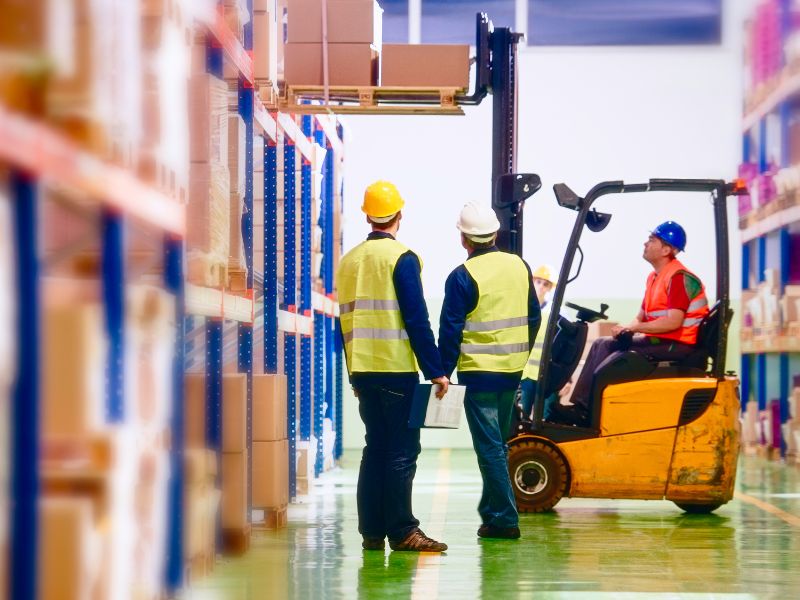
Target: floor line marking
x=426, y=576
x=770, y=508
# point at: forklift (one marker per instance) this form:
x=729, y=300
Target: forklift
x=657, y=430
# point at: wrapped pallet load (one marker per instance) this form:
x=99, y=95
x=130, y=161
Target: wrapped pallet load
x=208, y=216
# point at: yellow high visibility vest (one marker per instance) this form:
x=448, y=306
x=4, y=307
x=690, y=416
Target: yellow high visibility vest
x=375, y=338
x=495, y=337
x=531, y=370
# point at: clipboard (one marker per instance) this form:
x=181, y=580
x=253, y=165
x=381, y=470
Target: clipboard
x=431, y=413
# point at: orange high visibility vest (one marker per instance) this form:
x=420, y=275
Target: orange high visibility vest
x=656, y=303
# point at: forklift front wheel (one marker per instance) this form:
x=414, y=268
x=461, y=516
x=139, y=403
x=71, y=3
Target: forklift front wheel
x=698, y=509
x=538, y=474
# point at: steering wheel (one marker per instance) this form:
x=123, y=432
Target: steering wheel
x=587, y=315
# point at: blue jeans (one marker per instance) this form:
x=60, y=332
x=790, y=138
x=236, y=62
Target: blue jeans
x=528, y=389
x=388, y=462
x=489, y=417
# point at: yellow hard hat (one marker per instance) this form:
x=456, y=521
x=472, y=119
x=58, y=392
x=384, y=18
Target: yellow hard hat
x=382, y=200
x=546, y=272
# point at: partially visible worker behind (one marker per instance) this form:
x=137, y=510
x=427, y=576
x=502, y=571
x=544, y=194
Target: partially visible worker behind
x=544, y=281
x=387, y=333
x=664, y=329
x=489, y=321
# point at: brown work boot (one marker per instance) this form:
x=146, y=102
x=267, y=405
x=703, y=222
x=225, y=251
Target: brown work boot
x=370, y=543
x=417, y=541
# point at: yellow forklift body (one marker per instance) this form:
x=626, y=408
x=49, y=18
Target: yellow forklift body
x=633, y=465
x=646, y=405
x=707, y=451
x=643, y=452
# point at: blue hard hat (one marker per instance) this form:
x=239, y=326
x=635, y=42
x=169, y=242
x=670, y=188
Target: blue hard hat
x=671, y=233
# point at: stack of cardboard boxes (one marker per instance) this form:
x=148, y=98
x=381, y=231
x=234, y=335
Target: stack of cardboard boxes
x=202, y=494
x=237, y=268
x=208, y=214
x=791, y=429
x=270, y=449
x=354, y=35
x=235, y=490
x=120, y=472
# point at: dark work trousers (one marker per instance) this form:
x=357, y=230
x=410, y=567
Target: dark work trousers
x=651, y=346
x=388, y=462
x=489, y=417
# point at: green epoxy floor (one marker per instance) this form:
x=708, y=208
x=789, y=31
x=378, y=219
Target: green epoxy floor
x=750, y=548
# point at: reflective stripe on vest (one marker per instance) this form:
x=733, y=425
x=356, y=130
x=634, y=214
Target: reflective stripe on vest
x=656, y=303
x=495, y=337
x=531, y=370
x=375, y=338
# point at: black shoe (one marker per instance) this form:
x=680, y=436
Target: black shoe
x=506, y=533
x=417, y=541
x=569, y=415
x=370, y=543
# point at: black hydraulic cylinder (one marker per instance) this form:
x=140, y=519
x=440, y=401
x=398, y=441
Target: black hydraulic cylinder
x=504, y=138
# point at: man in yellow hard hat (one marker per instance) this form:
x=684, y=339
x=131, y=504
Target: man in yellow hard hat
x=387, y=338
x=544, y=281
x=489, y=321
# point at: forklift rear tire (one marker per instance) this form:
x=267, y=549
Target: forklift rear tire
x=698, y=509
x=539, y=475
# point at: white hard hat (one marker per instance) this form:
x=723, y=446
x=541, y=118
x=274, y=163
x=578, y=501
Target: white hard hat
x=479, y=223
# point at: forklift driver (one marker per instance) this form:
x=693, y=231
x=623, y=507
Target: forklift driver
x=666, y=327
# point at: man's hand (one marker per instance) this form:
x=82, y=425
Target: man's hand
x=443, y=382
x=355, y=392
x=616, y=330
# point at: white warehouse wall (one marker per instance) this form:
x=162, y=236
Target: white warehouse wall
x=585, y=115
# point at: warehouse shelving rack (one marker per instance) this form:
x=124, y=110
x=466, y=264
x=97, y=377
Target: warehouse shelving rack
x=770, y=362
x=32, y=152
x=273, y=314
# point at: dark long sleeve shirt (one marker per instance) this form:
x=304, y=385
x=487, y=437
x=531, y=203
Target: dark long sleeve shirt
x=460, y=299
x=414, y=311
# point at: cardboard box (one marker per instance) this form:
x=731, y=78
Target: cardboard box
x=270, y=474
x=208, y=115
x=73, y=375
x=600, y=329
x=194, y=410
x=234, y=412
x=269, y=408
x=348, y=64
x=69, y=551
x=306, y=458
x=425, y=65
x=234, y=490
x=266, y=46
x=349, y=22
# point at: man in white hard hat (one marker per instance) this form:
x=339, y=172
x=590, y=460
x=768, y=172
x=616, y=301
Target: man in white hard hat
x=489, y=321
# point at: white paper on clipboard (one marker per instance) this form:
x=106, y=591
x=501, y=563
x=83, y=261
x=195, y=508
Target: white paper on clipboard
x=447, y=411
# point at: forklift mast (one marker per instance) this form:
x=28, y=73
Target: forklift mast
x=496, y=74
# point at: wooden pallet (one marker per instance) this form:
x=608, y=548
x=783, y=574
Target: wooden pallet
x=274, y=518
x=373, y=100
x=163, y=176
x=237, y=280
x=204, y=271
x=268, y=94
x=236, y=542
x=200, y=566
